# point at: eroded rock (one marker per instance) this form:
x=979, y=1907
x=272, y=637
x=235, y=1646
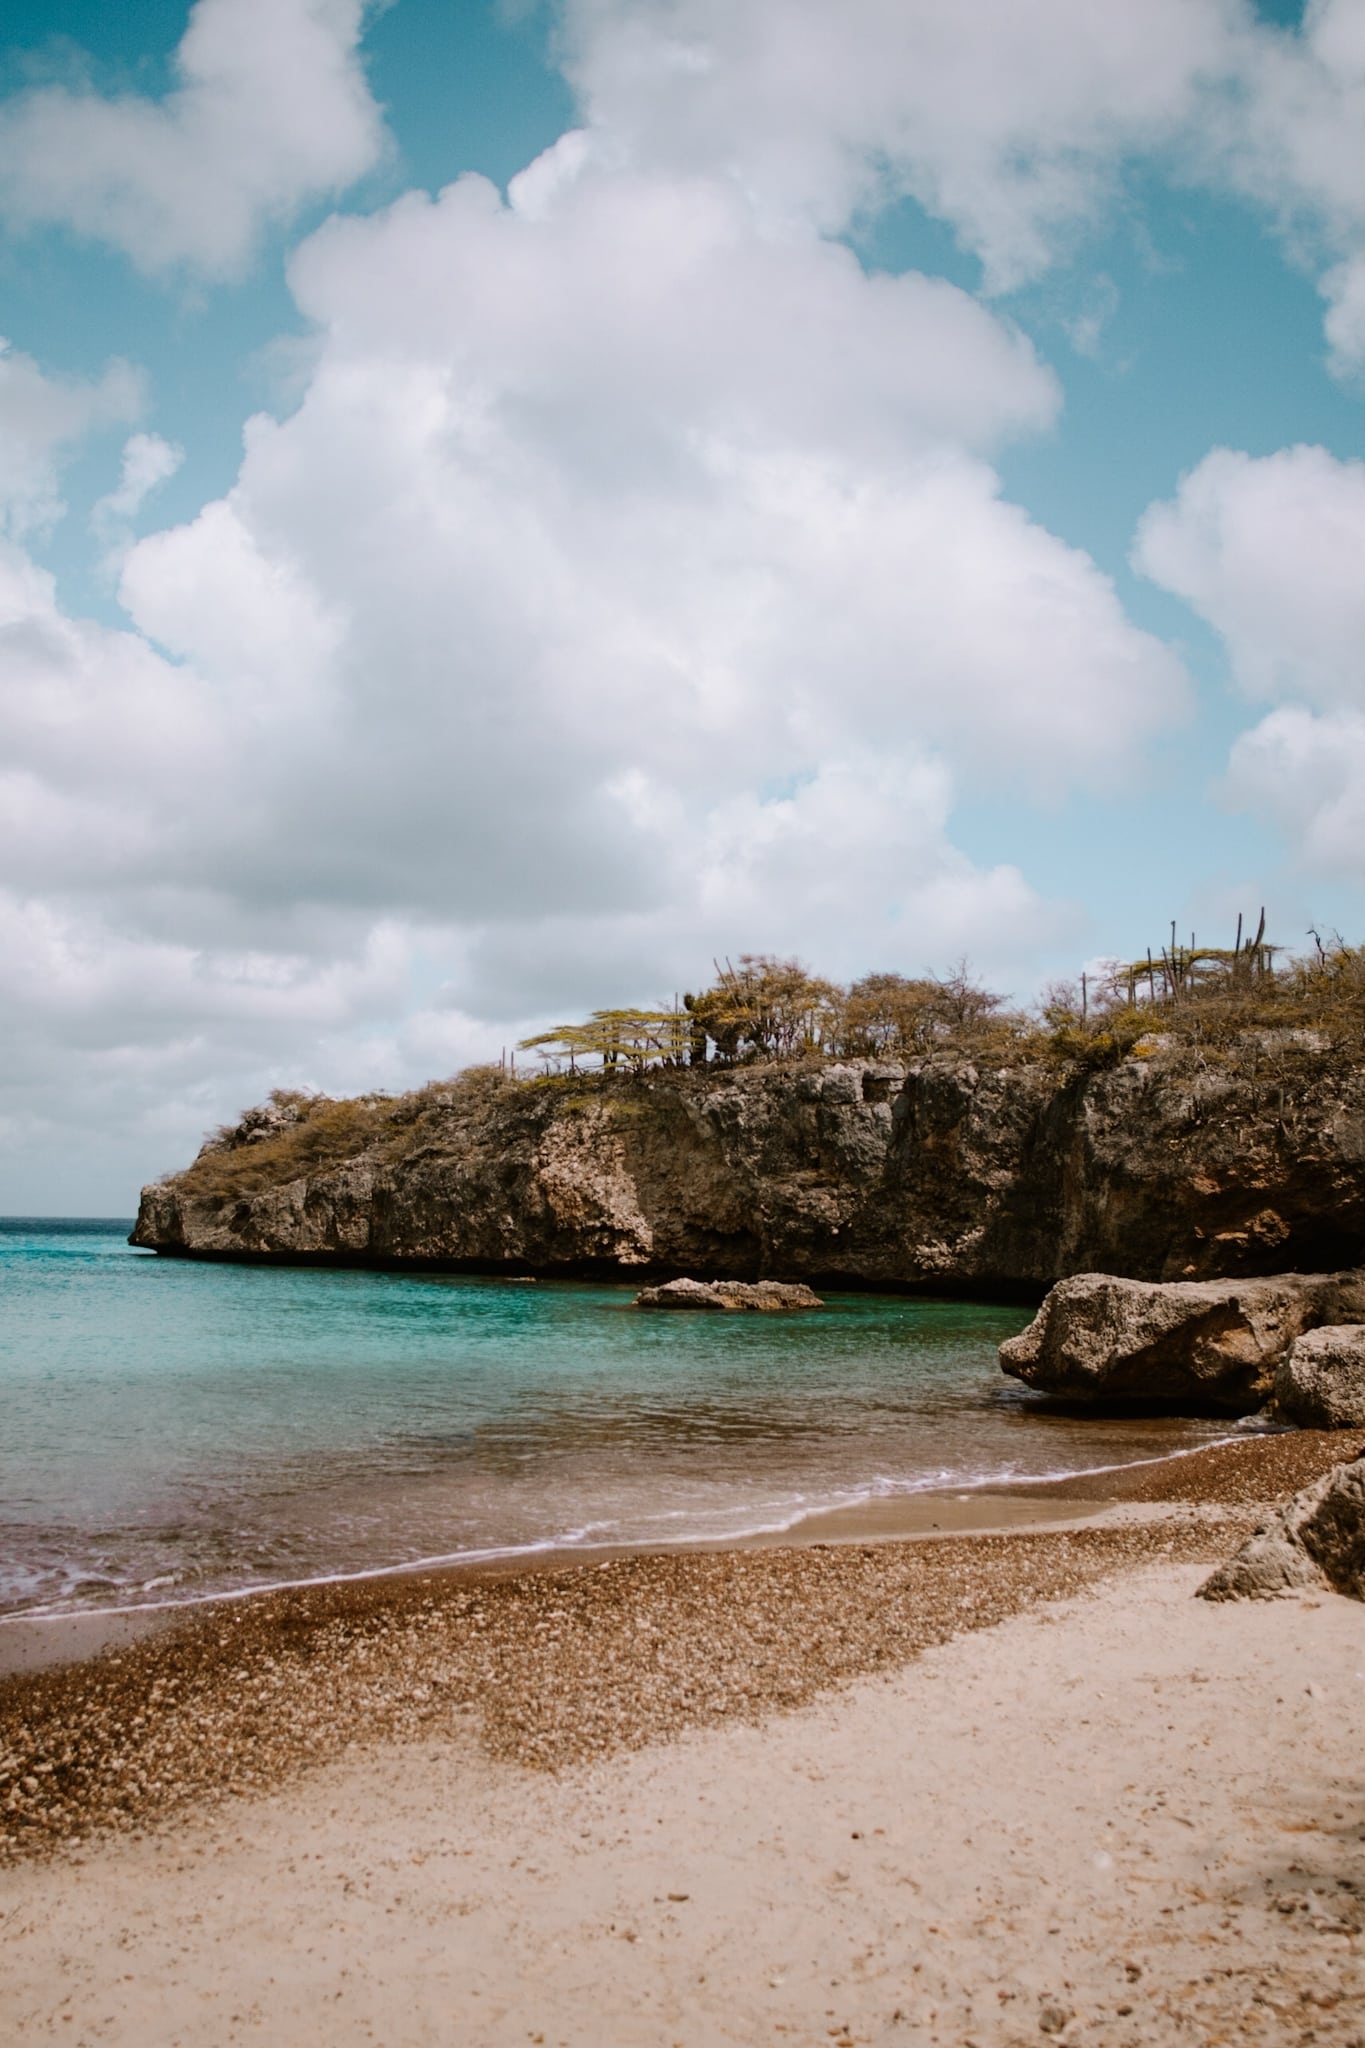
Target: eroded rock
x=1316, y=1539
x=936, y=1171
x=729, y=1294
x=1211, y=1345
x=1321, y=1382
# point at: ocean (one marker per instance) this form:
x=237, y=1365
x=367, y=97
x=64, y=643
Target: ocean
x=172, y=1430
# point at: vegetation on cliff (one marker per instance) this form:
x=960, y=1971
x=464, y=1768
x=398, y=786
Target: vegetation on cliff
x=1202, y=1008
x=771, y=1009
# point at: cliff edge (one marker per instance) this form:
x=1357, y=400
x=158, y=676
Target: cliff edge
x=939, y=1173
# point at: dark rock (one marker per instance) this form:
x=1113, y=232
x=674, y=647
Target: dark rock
x=1321, y=1383
x=1210, y=1345
x=1316, y=1539
x=937, y=1173
x=729, y=1294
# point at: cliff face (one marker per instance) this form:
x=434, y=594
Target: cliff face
x=937, y=1175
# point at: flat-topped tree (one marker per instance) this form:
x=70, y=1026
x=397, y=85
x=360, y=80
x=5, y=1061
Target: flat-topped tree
x=631, y=1038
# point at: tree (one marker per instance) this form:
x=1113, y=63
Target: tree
x=633, y=1038
x=767, y=1008
x=891, y=1015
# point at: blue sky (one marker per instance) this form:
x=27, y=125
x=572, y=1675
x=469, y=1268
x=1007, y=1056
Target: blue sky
x=883, y=486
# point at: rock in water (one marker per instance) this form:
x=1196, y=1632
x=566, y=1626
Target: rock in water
x=1321, y=1383
x=1206, y=1345
x=1316, y=1539
x=729, y=1294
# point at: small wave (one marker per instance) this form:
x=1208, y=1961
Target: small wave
x=688, y=1527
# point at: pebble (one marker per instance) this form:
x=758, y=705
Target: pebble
x=548, y=1669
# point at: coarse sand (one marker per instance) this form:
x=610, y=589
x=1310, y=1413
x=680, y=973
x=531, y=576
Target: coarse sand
x=987, y=1789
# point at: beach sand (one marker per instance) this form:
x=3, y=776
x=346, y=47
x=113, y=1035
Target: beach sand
x=989, y=1789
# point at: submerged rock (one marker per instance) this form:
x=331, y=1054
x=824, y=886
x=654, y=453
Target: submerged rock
x=1321, y=1383
x=1210, y=1345
x=729, y=1294
x=1316, y=1539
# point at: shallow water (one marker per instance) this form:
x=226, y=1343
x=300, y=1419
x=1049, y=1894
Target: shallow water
x=170, y=1429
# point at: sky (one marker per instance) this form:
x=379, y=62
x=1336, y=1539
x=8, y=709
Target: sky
x=502, y=504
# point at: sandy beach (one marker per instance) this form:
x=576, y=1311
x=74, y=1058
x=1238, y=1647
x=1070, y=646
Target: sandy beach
x=985, y=1788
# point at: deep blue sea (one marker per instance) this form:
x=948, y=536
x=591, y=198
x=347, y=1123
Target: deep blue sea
x=170, y=1430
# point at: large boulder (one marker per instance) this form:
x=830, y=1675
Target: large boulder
x=1321, y=1382
x=1209, y=1346
x=1316, y=1539
x=729, y=1294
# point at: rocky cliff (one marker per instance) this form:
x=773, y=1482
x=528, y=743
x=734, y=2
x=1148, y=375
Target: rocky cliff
x=939, y=1174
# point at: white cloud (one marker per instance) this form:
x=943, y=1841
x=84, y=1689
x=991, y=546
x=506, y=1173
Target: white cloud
x=1269, y=551
x=271, y=110
x=148, y=460
x=1287, y=131
x=1290, y=133
x=1304, y=772
x=101, y=743
x=1343, y=287
x=570, y=511
x=623, y=496
x=1015, y=124
x=1007, y=121
x=40, y=418
x=631, y=582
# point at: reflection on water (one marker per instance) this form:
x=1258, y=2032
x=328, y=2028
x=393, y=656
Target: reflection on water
x=173, y=1428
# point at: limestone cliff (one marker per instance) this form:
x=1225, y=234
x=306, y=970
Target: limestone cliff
x=940, y=1174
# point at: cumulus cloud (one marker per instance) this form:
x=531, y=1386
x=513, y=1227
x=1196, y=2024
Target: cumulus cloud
x=1287, y=132
x=40, y=418
x=1343, y=287
x=1269, y=552
x=101, y=742
x=1016, y=125
x=632, y=582
x=629, y=511
x=1304, y=771
x=271, y=109
x=148, y=460
x=1008, y=122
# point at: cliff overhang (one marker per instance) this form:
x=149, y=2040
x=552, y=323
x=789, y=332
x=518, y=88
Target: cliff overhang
x=938, y=1175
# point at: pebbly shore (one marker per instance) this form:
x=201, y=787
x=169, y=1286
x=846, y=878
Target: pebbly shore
x=554, y=1668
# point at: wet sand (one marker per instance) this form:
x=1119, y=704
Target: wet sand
x=988, y=1787
x=1245, y=1472
x=573, y=1659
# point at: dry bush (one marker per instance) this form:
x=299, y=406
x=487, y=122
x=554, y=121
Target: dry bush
x=1212, y=1002
x=310, y=1135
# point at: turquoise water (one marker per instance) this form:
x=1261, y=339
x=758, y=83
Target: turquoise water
x=170, y=1429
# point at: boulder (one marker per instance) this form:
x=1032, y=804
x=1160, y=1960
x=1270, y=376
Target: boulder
x=1316, y=1539
x=729, y=1294
x=1321, y=1382
x=1207, y=1346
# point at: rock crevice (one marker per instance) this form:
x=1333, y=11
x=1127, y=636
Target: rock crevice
x=938, y=1174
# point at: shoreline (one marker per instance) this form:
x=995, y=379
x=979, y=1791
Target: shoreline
x=556, y=1666
x=1227, y=1472
x=35, y=1642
